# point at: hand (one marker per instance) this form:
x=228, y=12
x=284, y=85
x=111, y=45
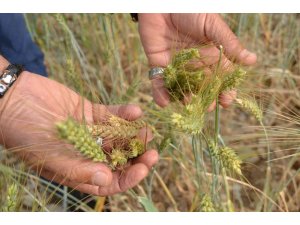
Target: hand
x=29, y=111
x=163, y=33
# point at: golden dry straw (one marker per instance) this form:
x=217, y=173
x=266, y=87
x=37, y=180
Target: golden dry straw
x=116, y=128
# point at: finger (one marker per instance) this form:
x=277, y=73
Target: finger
x=145, y=134
x=187, y=99
x=123, y=181
x=227, y=98
x=84, y=188
x=160, y=93
x=80, y=171
x=209, y=55
x=149, y=158
x=218, y=31
x=129, y=112
x=223, y=68
x=212, y=106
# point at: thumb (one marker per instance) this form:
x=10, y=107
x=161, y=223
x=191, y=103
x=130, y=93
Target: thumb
x=218, y=31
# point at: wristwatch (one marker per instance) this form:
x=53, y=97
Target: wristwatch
x=9, y=76
x=134, y=17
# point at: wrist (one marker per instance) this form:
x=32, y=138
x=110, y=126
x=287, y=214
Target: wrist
x=134, y=17
x=3, y=63
x=5, y=99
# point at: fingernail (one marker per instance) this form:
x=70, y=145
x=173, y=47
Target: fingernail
x=245, y=54
x=100, y=179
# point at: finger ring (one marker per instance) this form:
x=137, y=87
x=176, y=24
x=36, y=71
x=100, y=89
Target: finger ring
x=156, y=71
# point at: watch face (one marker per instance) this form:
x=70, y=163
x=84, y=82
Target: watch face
x=7, y=79
x=2, y=89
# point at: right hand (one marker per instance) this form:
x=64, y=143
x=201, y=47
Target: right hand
x=29, y=111
x=163, y=33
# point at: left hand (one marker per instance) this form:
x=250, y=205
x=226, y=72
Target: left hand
x=29, y=110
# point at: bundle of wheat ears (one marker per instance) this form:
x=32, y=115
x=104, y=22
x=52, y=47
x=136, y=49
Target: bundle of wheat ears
x=87, y=139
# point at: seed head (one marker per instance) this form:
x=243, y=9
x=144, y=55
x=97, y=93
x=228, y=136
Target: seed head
x=136, y=148
x=206, y=204
x=82, y=140
x=179, y=78
x=11, y=199
x=233, y=80
x=118, y=158
x=252, y=107
x=116, y=128
x=226, y=157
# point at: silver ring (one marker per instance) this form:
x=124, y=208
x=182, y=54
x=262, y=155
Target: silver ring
x=155, y=72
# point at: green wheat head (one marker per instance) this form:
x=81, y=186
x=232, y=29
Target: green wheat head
x=252, y=107
x=81, y=139
x=136, y=148
x=206, y=204
x=182, y=80
x=11, y=199
x=120, y=156
x=179, y=78
x=226, y=157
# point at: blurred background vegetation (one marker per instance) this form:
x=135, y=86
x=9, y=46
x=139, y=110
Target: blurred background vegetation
x=101, y=57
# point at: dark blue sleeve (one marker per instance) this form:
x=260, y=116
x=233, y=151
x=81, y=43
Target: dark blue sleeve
x=17, y=46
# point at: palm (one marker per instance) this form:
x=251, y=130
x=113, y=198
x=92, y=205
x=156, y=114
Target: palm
x=32, y=107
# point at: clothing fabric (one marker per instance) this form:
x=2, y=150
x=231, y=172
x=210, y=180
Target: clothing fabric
x=17, y=46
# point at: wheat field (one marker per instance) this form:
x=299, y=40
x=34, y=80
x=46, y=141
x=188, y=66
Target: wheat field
x=101, y=57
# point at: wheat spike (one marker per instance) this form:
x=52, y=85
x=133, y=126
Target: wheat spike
x=226, y=157
x=206, y=204
x=179, y=78
x=11, y=199
x=116, y=128
x=136, y=148
x=233, y=79
x=118, y=158
x=82, y=140
x=252, y=107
